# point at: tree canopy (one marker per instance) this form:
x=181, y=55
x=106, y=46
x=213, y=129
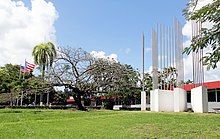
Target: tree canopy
x=44, y=54
x=83, y=74
x=13, y=82
x=210, y=37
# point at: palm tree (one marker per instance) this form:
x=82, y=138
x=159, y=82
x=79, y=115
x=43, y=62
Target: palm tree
x=44, y=54
x=168, y=77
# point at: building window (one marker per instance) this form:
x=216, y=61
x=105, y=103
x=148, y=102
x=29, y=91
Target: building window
x=218, y=95
x=188, y=97
x=211, y=95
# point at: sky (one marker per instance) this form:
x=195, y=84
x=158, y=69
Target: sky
x=113, y=26
x=104, y=27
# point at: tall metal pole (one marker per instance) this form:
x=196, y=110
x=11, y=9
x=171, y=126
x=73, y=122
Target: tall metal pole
x=161, y=54
x=143, y=61
x=143, y=93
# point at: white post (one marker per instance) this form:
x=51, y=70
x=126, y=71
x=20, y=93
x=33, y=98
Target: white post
x=143, y=101
x=22, y=95
x=199, y=99
x=154, y=100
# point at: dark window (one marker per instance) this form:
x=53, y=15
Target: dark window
x=211, y=96
x=188, y=97
x=218, y=95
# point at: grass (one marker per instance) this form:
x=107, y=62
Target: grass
x=17, y=123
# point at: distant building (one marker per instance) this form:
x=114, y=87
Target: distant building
x=213, y=90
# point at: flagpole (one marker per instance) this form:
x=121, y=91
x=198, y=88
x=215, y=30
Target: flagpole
x=22, y=91
x=143, y=93
x=20, y=72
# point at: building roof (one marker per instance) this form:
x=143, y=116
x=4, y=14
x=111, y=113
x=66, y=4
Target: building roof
x=209, y=85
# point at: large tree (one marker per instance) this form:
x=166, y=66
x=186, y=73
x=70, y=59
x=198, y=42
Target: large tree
x=83, y=74
x=15, y=85
x=117, y=80
x=210, y=37
x=11, y=82
x=70, y=69
x=112, y=76
x=44, y=54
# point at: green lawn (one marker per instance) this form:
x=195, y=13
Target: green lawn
x=16, y=123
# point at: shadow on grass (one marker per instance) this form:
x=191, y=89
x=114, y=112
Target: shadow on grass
x=36, y=112
x=12, y=111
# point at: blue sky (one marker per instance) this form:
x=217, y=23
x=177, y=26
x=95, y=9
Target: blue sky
x=113, y=26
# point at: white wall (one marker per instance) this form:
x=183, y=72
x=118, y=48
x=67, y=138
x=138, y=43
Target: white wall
x=166, y=102
x=212, y=105
x=180, y=100
x=161, y=100
x=199, y=99
x=154, y=104
x=143, y=101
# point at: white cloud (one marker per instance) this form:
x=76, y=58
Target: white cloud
x=127, y=50
x=23, y=28
x=188, y=70
x=187, y=30
x=210, y=75
x=101, y=54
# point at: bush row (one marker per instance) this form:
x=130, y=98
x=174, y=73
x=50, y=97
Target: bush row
x=47, y=107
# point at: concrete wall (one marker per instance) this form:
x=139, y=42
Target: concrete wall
x=154, y=100
x=166, y=102
x=180, y=100
x=143, y=101
x=211, y=105
x=161, y=100
x=199, y=99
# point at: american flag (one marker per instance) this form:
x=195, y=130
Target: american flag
x=27, y=68
x=30, y=67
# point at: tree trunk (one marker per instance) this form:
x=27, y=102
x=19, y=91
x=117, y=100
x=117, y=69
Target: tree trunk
x=43, y=71
x=35, y=98
x=16, y=101
x=78, y=99
x=10, y=98
x=41, y=103
x=22, y=97
x=43, y=74
x=48, y=96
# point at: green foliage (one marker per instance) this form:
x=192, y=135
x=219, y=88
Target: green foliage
x=59, y=98
x=9, y=82
x=44, y=54
x=13, y=82
x=148, y=82
x=9, y=78
x=210, y=37
x=113, y=76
